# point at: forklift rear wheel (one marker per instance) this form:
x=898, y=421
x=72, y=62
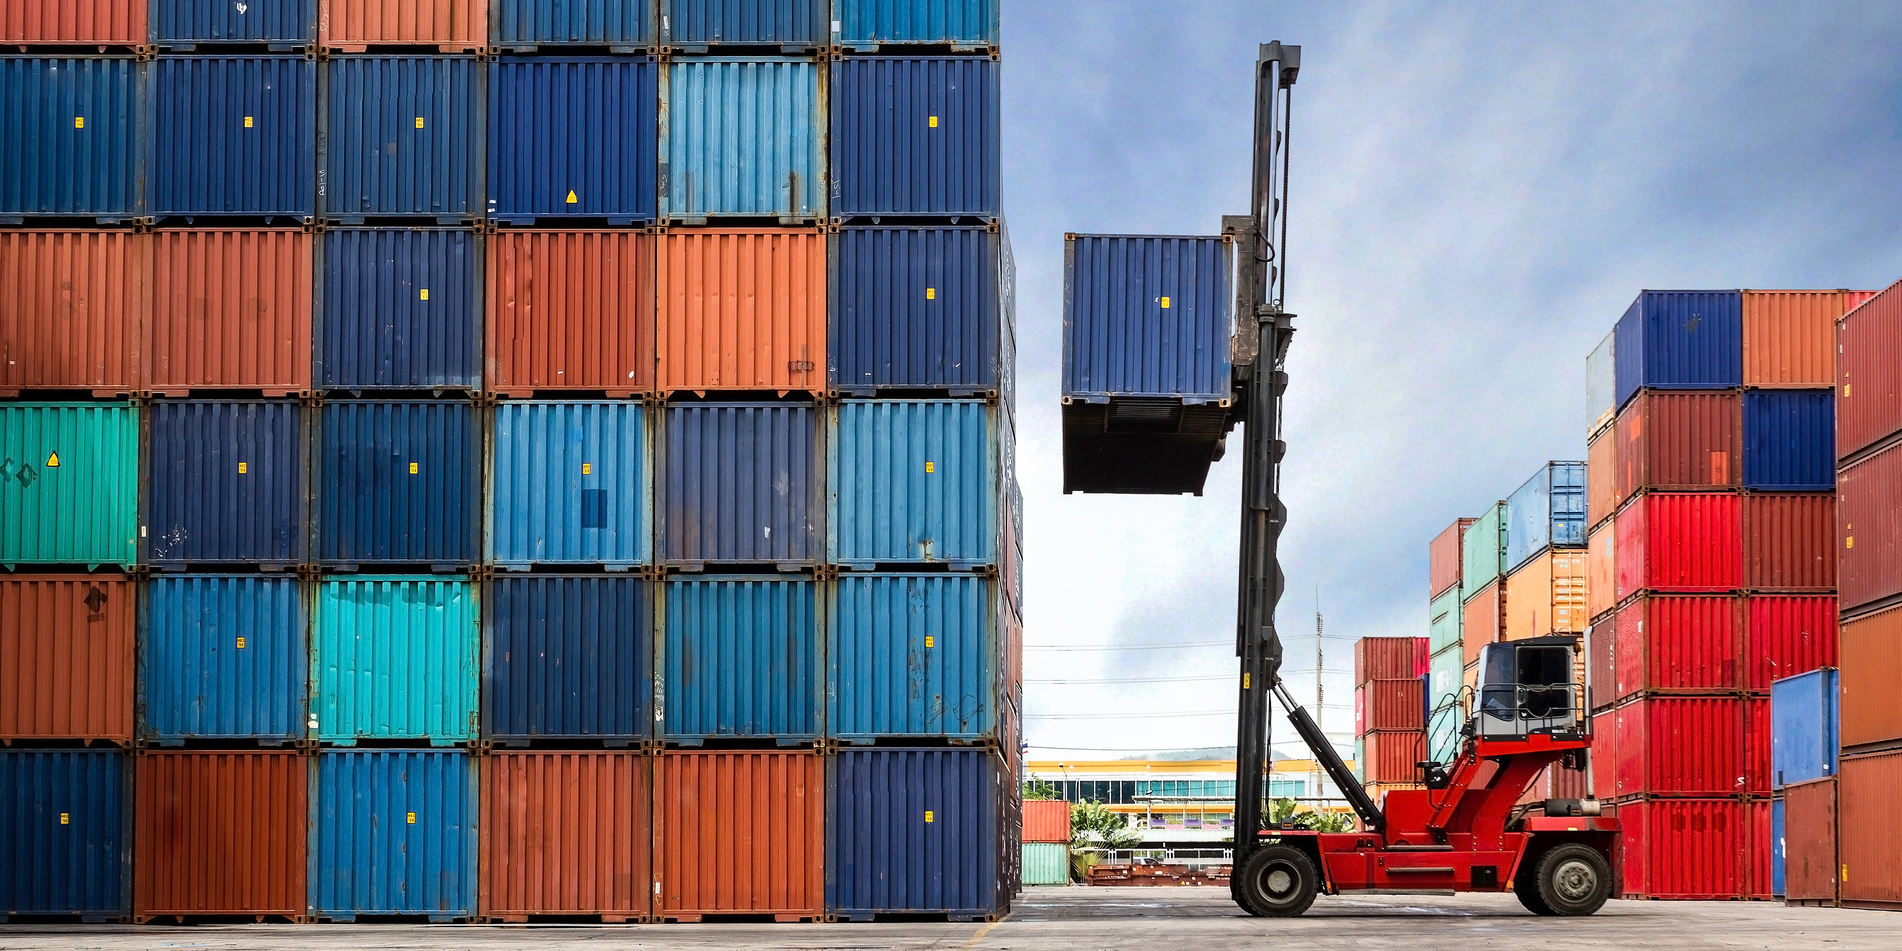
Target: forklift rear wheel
x=1572, y=879
x=1278, y=881
x=1526, y=887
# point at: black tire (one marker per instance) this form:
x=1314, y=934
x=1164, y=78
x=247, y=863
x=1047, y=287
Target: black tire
x=1277, y=881
x=1572, y=879
x=1526, y=888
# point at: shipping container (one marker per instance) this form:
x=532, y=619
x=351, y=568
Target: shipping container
x=570, y=310
x=1804, y=728
x=73, y=23
x=739, y=833
x=572, y=137
x=393, y=832
x=1871, y=662
x=911, y=655
x=283, y=24
x=1680, y=340
x=623, y=26
x=1546, y=512
x=1046, y=820
x=231, y=309
x=741, y=310
x=1757, y=775
x=1443, y=558
x=226, y=481
x=1391, y=757
x=73, y=310
x=740, y=483
x=1601, y=662
x=568, y=657
x=1445, y=621
x=1547, y=595
x=912, y=481
x=1777, y=855
x=1789, y=337
x=962, y=24
x=915, y=308
x=220, y=834
x=1601, y=386
x=915, y=136
x=1756, y=859
x=1809, y=841
x=445, y=24
x=1601, y=571
x=697, y=25
x=1786, y=635
x=401, y=309
x=1678, y=644
x=1789, y=541
x=233, y=135
x=1046, y=863
x=1390, y=705
x=1690, y=440
x=740, y=657
x=1147, y=317
x=1483, y=550
x=1868, y=382
x=398, y=482
x=223, y=657
x=1869, y=549
x=566, y=833
x=1601, y=477
x=1388, y=658
x=70, y=136
x=69, y=475
x=1789, y=440
x=1680, y=542
x=402, y=135
x=1448, y=703
x=1871, y=874
x=570, y=483
x=66, y=664
x=65, y=819
x=1686, y=849
x=394, y=658
x=1484, y=620
x=1604, y=756
x=1681, y=746
x=915, y=831
x=742, y=136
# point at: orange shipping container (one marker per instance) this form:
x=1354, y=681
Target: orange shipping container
x=742, y=310
x=449, y=25
x=230, y=310
x=1484, y=620
x=1789, y=338
x=1601, y=572
x=570, y=310
x=1870, y=652
x=1391, y=756
x=1870, y=849
x=66, y=657
x=1046, y=820
x=73, y=22
x=566, y=834
x=70, y=307
x=1547, y=595
x=739, y=833
x=220, y=834
x=1601, y=478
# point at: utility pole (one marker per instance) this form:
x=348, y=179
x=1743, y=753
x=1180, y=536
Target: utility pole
x=1320, y=693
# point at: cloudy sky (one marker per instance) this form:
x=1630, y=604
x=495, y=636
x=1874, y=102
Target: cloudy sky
x=1479, y=190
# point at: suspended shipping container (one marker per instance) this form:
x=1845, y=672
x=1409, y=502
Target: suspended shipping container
x=1871, y=668
x=1147, y=317
x=742, y=136
x=1690, y=440
x=73, y=23
x=1680, y=340
x=220, y=834
x=283, y=24
x=401, y=309
x=69, y=483
x=1789, y=440
x=1546, y=512
x=1680, y=542
x=1547, y=595
x=739, y=483
x=393, y=832
x=74, y=307
x=696, y=25
x=233, y=135
x=1686, y=849
x=740, y=658
x=1804, y=728
x=570, y=310
x=398, y=482
x=66, y=667
x=231, y=309
x=915, y=136
x=1868, y=381
x=1681, y=746
x=445, y=24
x=402, y=134
x=1789, y=541
x=566, y=833
x=915, y=308
x=742, y=310
x=624, y=26
x=70, y=136
x=65, y=818
x=572, y=137
x=1786, y=635
x=1678, y=644
x=868, y=24
x=394, y=658
x=1601, y=386
x=1869, y=550
x=915, y=831
x=739, y=833
x=223, y=657
x=1601, y=477
x=226, y=482
x=911, y=655
x=1811, y=863
x=568, y=657
x=913, y=481
x=1870, y=843
x=570, y=483
x=1789, y=337
x=1443, y=557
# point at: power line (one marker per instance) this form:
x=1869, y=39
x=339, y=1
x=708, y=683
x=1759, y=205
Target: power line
x=1128, y=647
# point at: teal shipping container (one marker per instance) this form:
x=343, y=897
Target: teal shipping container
x=1046, y=863
x=1483, y=551
x=223, y=657
x=961, y=24
x=394, y=658
x=911, y=655
x=393, y=832
x=69, y=484
x=1446, y=621
x=742, y=137
x=740, y=658
x=570, y=483
x=1445, y=684
x=912, y=481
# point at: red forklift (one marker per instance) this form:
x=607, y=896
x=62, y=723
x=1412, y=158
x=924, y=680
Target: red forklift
x=1466, y=831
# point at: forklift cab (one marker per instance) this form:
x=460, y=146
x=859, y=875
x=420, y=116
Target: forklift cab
x=1525, y=688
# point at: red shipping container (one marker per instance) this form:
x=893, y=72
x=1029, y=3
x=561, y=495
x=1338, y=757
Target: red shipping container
x=1387, y=705
x=1790, y=541
x=566, y=834
x=1601, y=661
x=1393, y=757
x=1387, y=658
x=1756, y=746
x=1810, y=863
x=71, y=304
x=73, y=22
x=1681, y=746
x=1869, y=536
x=570, y=310
x=1868, y=377
x=739, y=833
x=1046, y=820
x=66, y=657
x=1871, y=848
x=231, y=309
x=1483, y=620
x=448, y=25
x=1443, y=558
x=1786, y=635
x=1679, y=643
x=1601, y=571
x=1673, y=541
x=1757, y=871
x=1680, y=440
x=1604, y=755
x=1601, y=478
x=1871, y=664
x=220, y=834
x=1688, y=849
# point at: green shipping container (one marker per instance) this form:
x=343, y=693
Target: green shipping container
x=1448, y=621
x=1046, y=863
x=69, y=484
x=394, y=658
x=1483, y=551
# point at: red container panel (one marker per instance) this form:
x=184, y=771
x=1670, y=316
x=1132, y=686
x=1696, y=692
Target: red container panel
x=71, y=304
x=1678, y=643
x=1384, y=705
x=1691, y=849
x=1689, y=542
x=1046, y=820
x=1869, y=532
x=1604, y=754
x=1601, y=478
x=448, y=25
x=566, y=834
x=1757, y=870
x=220, y=834
x=1681, y=746
x=1790, y=542
x=1756, y=746
x=1391, y=757
x=1601, y=662
x=1871, y=846
x=1443, y=558
x=66, y=657
x=570, y=310
x=73, y=22
x=231, y=309
x=1871, y=662
x=1868, y=377
x=1680, y=440
x=1387, y=658
x=1786, y=635
x=1810, y=863
x=739, y=833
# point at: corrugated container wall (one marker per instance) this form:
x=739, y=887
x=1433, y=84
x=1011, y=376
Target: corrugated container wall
x=1685, y=340
x=74, y=305
x=739, y=483
x=220, y=834
x=911, y=655
x=570, y=310
x=1680, y=542
x=573, y=137
x=624, y=26
x=1871, y=667
x=1786, y=635
x=1483, y=550
x=398, y=482
x=233, y=135
x=1777, y=856
x=231, y=309
x=1046, y=863
x=223, y=657
x=1789, y=440
x=1869, y=844
x=227, y=482
x=698, y=24
x=1147, y=316
x=64, y=819
x=915, y=136
x=1789, y=542
x=570, y=483
x=1443, y=557
x=445, y=24
x=1868, y=381
x=913, y=481
x=1388, y=658
x=1680, y=746
x=1483, y=619
x=1601, y=478
x=914, y=831
x=69, y=483
x=1687, y=849
x=1869, y=548
x=1046, y=820
x=1601, y=385
x=1677, y=644
x=1680, y=441
x=741, y=310
x=1390, y=705
x=402, y=135
x=1446, y=621
x=1789, y=337
x=914, y=307
x=1811, y=868
x=742, y=137
x=70, y=136
x=394, y=658
x=1548, y=511
x=393, y=832
x=1804, y=728
x=1546, y=595
x=66, y=667
x=183, y=24
x=960, y=23
x=568, y=657
x=566, y=834
x=740, y=658
x=739, y=832
x=401, y=309
x=73, y=23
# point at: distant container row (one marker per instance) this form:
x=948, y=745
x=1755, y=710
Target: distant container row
x=615, y=836
x=516, y=24
x=511, y=140
x=372, y=482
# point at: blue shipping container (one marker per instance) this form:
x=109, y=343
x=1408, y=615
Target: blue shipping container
x=1147, y=316
x=1680, y=340
x=914, y=830
x=400, y=309
x=915, y=136
x=1789, y=440
x=624, y=26
x=1779, y=856
x=962, y=24
x=740, y=483
x=1805, y=726
x=284, y=24
x=227, y=481
x=914, y=308
x=789, y=24
x=402, y=135
x=742, y=137
x=70, y=134
x=568, y=657
x=394, y=658
x=569, y=484
x=65, y=820
x=913, y=481
x=911, y=655
x=393, y=832
x=398, y=482
x=573, y=137
x=1547, y=512
x=223, y=657
x=740, y=658
x=233, y=135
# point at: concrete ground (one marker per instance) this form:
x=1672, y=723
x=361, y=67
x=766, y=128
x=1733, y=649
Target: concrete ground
x=1084, y=919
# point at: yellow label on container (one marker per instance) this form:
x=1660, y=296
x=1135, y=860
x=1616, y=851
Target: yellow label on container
x=1845, y=871
x=1165, y=303
x=425, y=293
x=928, y=817
x=66, y=820
x=930, y=467
x=587, y=469
x=52, y=461
x=928, y=640
x=931, y=293
x=247, y=122
x=1846, y=387
x=1849, y=542
x=79, y=122
x=571, y=198
x=419, y=122
x=412, y=818
x=243, y=468
x=934, y=122
x=241, y=643
x=412, y=468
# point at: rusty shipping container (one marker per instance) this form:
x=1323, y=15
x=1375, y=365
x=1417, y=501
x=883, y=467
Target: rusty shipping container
x=231, y=309
x=570, y=310
x=1687, y=440
x=1678, y=643
x=1681, y=746
x=1871, y=848
x=66, y=657
x=73, y=23
x=1670, y=541
x=1789, y=541
x=1547, y=595
x=1484, y=621
x=566, y=833
x=742, y=310
x=1389, y=705
x=1870, y=655
x=1786, y=635
x=1868, y=378
x=739, y=832
x=1389, y=757
x=448, y=25
x=1389, y=658
x=1789, y=338
x=220, y=834
x=1046, y=820
x=72, y=309
x=1869, y=549
x=1601, y=572
x=1443, y=558
x=1601, y=478
x=1811, y=863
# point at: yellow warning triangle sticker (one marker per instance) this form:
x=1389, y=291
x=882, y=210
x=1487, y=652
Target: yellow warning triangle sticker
x=571, y=197
x=52, y=461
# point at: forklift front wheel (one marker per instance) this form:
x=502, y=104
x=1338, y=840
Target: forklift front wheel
x=1278, y=881
x=1573, y=879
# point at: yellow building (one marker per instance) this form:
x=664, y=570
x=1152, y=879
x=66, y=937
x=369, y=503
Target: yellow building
x=1177, y=800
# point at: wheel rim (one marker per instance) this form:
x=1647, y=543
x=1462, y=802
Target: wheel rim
x=1575, y=881
x=1278, y=883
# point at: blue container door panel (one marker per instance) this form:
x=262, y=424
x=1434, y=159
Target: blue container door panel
x=624, y=26
x=911, y=655
x=282, y=23
x=393, y=833
x=913, y=481
x=789, y=24
x=573, y=137
x=226, y=483
x=1684, y=340
x=400, y=309
x=234, y=135
x=913, y=831
x=569, y=483
x=223, y=657
x=915, y=308
x=568, y=657
x=957, y=23
x=743, y=137
x=740, y=483
x=398, y=482
x=403, y=136
x=64, y=834
x=69, y=136
x=915, y=136
x=740, y=659
x=1790, y=440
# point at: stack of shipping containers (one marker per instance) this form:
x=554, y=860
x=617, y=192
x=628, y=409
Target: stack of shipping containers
x=1545, y=585
x=1447, y=703
x=1390, y=682
x=1046, y=842
x=484, y=456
